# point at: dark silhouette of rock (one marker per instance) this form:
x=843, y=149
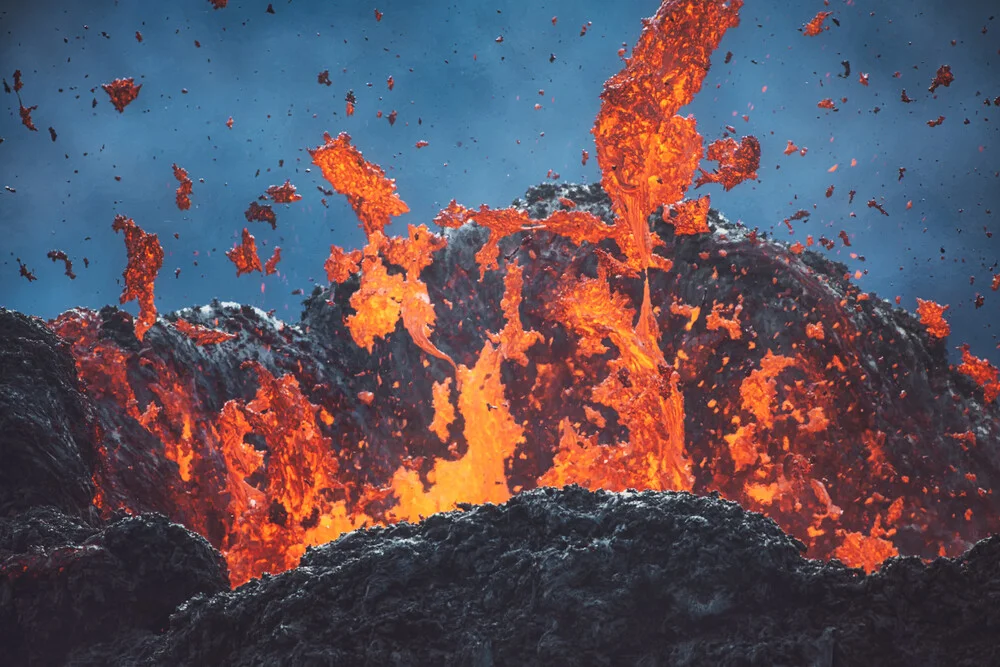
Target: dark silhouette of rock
x=45, y=428
x=573, y=577
x=65, y=585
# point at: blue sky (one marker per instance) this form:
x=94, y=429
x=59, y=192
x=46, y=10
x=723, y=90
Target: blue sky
x=473, y=100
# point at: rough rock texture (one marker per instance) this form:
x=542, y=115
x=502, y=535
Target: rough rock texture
x=65, y=585
x=572, y=577
x=551, y=577
x=46, y=439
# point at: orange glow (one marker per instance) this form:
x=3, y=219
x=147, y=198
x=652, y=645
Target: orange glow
x=341, y=265
x=737, y=162
x=372, y=196
x=202, y=335
x=145, y=259
x=267, y=477
x=815, y=26
x=983, y=372
x=692, y=216
x=864, y=551
x=444, y=411
x=183, y=195
x=932, y=316
x=244, y=255
x=492, y=435
x=271, y=265
x=283, y=194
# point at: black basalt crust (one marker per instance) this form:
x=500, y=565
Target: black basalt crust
x=573, y=577
x=65, y=586
x=45, y=425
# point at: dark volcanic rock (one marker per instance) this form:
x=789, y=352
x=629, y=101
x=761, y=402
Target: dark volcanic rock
x=571, y=577
x=873, y=436
x=46, y=437
x=65, y=585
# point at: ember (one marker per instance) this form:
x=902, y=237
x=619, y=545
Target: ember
x=145, y=258
x=122, y=92
x=244, y=255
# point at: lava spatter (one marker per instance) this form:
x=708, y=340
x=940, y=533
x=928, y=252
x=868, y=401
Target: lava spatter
x=283, y=194
x=341, y=265
x=737, y=162
x=983, y=372
x=932, y=316
x=815, y=26
x=202, y=335
x=244, y=255
x=371, y=194
x=145, y=259
x=271, y=265
x=60, y=256
x=183, y=196
x=122, y=92
x=261, y=213
x=592, y=347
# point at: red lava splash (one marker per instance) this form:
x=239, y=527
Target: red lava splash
x=815, y=26
x=24, y=272
x=372, y=196
x=584, y=384
x=26, y=117
x=983, y=372
x=943, y=77
x=932, y=316
x=244, y=255
x=145, y=259
x=271, y=265
x=122, y=92
x=183, y=196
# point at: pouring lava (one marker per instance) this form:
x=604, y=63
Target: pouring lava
x=614, y=337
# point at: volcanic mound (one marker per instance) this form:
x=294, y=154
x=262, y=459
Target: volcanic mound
x=854, y=452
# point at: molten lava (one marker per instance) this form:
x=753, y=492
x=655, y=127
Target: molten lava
x=145, y=259
x=588, y=371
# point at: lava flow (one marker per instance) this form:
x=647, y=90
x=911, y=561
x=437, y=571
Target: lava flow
x=626, y=340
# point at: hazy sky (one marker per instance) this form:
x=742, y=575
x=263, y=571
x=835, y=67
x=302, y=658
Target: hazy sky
x=473, y=100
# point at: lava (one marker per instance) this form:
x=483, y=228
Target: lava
x=283, y=194
x=145, y=259
x=815, y=26
x=122, y=92
x=261, y=213
x=183, y=195
x=584, y=365
x=370, y=193
x=60, y=256
x=244, y=255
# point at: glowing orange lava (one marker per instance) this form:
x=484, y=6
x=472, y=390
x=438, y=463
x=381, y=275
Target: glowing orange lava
x=595, y=354
x=244, y=255
x=145, y=259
